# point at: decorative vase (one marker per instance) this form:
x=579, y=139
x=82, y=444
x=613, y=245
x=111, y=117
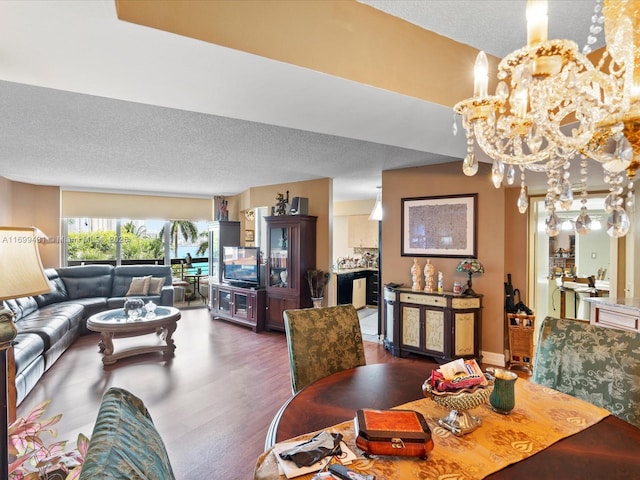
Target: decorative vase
x=133, y=308
x=317, y=301
x=502, y=398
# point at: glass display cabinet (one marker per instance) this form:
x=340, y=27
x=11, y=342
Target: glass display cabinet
x=291, y=251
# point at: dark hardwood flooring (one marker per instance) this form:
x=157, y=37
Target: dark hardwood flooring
x=212, y=403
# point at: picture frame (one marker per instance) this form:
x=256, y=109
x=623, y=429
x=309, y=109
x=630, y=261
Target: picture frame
x=249, y=235
x=442, y=226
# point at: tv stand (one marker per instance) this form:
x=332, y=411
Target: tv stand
x=248, y=286
x=242, y=305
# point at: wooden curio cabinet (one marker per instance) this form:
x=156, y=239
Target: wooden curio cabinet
x=291, y=251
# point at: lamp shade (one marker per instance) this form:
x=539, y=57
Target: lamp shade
x=21, y=272
x=376, y=213
x=470, y=265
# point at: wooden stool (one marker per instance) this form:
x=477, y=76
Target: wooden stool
x=521, y=329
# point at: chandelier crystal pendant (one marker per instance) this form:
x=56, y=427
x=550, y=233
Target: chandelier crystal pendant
x=552, y=104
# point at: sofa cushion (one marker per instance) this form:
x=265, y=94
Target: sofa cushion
x=155, y=285
x=59, y=292
x=28, y=305
x=15, y=308
x=123, y=274
x=138, y=286
x=52, y=322
x=87, y=280
x=21, y=307
x=125, y=442
x=27, y=347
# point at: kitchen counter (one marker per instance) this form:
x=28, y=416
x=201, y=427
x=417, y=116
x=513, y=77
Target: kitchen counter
x=618, y=313
x=342, y=271
x=359, y=286
x=632, y=305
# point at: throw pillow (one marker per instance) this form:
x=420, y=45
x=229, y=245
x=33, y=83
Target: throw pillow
x=155, y=285
x=139, y=286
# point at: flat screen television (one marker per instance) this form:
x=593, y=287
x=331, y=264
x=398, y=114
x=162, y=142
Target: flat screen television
x=241, y=266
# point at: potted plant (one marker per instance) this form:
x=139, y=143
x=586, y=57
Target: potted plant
x=317, y=280
x=31, y=459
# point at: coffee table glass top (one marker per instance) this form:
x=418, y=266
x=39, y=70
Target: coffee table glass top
x=118, y=316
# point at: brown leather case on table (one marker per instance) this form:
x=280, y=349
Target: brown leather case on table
x=403, y=433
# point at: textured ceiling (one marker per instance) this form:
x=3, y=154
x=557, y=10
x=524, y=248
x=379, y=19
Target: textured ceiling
x=93, y=103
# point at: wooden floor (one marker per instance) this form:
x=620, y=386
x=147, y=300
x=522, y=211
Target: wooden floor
x=212, y=403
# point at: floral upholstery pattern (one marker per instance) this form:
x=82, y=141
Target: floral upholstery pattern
x=125, y=444
x=322, y=341
x=597, y=364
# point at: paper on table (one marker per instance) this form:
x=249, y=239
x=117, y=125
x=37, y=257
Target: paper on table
x=291, y=470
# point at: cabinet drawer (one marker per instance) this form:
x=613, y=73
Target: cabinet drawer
x=430, y=300
x=617, y=320
x=461, y=302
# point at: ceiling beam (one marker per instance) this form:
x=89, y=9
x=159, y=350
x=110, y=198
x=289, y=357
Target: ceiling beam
x=346, y=39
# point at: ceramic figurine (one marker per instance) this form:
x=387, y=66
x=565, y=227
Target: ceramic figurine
x=429, y=272
x=440, y=282
x=415, y=275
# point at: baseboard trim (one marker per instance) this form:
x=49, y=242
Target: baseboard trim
x=493, y=358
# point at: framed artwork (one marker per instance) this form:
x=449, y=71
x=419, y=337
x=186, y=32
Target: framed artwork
x=442, y=226
x=249, y=235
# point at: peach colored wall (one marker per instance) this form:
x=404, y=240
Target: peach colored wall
x=347, y=39
x=448, y=179
x=516, y=242
x=319, y=192
x=39, y=206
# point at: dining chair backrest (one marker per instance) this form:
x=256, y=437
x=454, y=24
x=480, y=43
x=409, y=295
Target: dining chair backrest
x=322, y=341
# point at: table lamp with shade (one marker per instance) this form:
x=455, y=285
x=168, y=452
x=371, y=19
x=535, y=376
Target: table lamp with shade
x=470, y=266
x=21, y=275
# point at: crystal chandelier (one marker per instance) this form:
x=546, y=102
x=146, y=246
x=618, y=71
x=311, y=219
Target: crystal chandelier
x=552, y=105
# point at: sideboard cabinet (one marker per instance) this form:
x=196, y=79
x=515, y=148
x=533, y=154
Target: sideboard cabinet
x=291, y=251
x=245, y=306
x=440, y=325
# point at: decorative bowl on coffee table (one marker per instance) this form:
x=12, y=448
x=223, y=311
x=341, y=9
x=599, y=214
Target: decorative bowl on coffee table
x=459, y=421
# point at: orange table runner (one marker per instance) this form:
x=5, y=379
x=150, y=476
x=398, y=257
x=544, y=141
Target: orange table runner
x=542, y=416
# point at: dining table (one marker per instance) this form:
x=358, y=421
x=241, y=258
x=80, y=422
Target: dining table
x=608, y=448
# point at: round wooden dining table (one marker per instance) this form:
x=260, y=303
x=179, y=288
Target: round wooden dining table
x=609, y=449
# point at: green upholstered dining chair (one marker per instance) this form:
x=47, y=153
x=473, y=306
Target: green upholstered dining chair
x=322, y=341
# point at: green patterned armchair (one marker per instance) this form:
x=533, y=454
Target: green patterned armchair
x=125, y=444
x=597, y=364
x=322, y=341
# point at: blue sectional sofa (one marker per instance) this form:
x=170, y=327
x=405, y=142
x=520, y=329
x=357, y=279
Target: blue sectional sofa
x=48, y=324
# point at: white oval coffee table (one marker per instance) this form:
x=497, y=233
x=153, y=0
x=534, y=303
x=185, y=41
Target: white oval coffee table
x=115, y=324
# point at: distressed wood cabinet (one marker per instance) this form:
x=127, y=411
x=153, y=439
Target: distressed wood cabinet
x=443, y=326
